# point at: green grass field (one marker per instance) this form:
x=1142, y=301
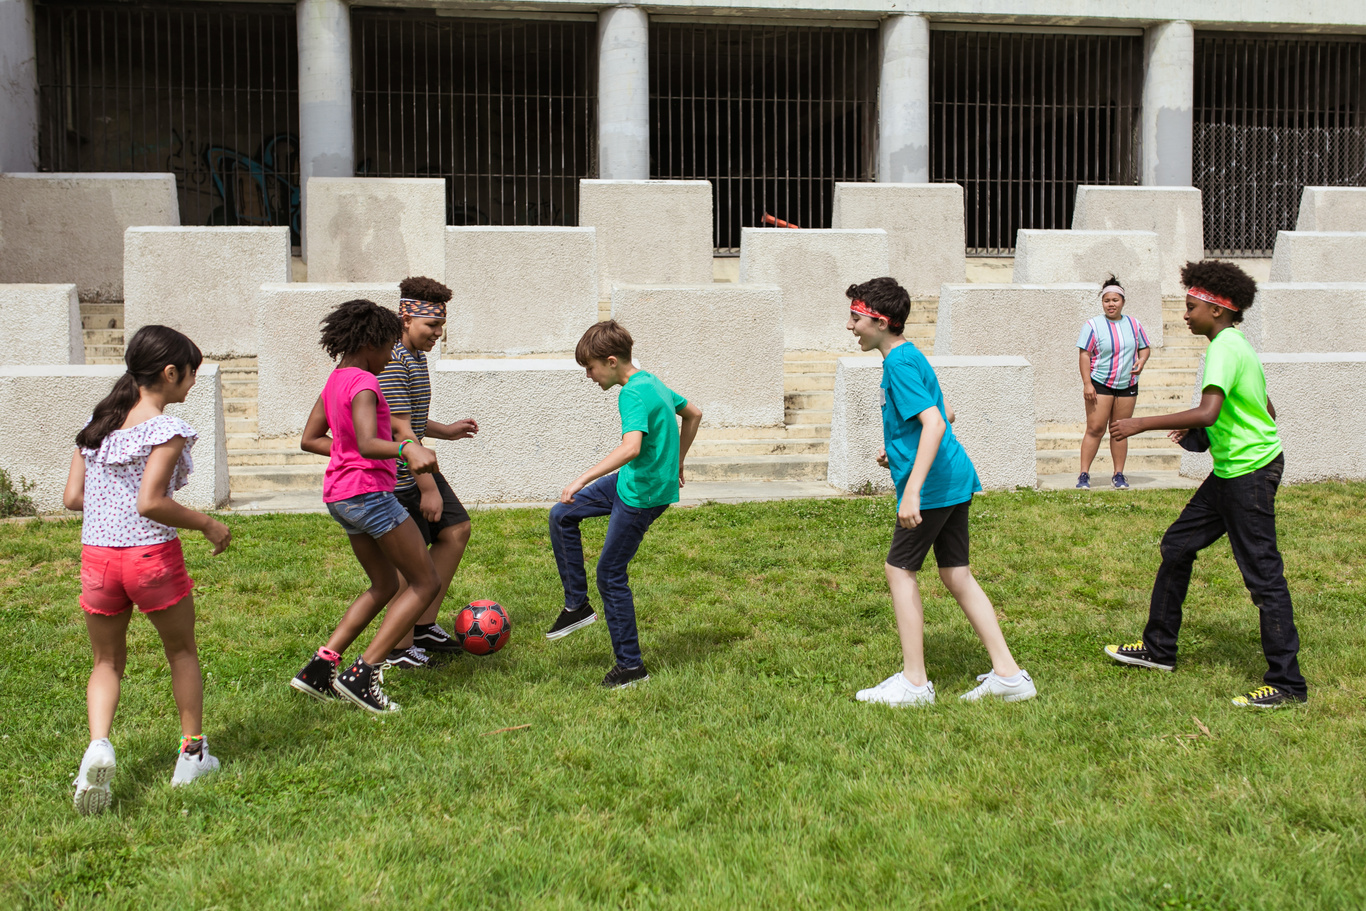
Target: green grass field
x=742, y=774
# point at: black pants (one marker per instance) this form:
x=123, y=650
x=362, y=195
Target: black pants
x=1244, y=508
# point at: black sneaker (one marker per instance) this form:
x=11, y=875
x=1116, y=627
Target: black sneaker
x=408, y=658
x=432, y=638
x=621, y=677
x=1266, y=697
x=570, y=620
x=1137, y=654
x=318, y=679
x=360, y=683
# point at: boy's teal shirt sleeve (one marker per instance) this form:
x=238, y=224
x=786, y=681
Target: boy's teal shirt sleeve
x=634, y=414
x=908, y=392
x=679, y=402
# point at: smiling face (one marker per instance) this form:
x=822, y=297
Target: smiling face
x=605, y=373
x=869, y=331
x=178, y=382
x=1112, y=302
x=421, y=332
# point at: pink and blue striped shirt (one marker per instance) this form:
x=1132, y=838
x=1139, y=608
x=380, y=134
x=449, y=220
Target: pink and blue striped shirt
x=1113, y=346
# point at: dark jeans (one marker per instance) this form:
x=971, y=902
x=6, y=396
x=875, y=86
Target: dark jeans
x=1244, y=508
x=625, y=529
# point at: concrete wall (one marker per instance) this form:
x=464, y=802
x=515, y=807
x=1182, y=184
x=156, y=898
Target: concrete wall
x=1307, y=318
x=924, y=225
x=994, y=420
x=624, y=93
x=205, y=282
x=18, y=87
x=520, y=290
x=903, y=147
x=1173, y=213
x=40, y=324
x=1167, y=146
x=43, y=408
x=542, y=423
x=326, y=140
x=720, y=346
x=1332, y=209
x=376, y=229
x=291, y=366
x=70, y=227
x=1040, y=322
x=649, y=231
x=813, y=267
x=1045, y=257
x=1319, y=256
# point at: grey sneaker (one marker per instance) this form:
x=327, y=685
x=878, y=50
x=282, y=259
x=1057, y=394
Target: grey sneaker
x=1119, y=481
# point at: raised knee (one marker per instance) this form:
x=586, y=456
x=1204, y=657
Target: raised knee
x=460, y=534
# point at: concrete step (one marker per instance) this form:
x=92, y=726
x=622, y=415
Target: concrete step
x=241, y=440
x=805, y=401
x=229, y=364
x=1049, y=442
x=101, y=316
x=251, y=457
x=103, y=337
x=240, y=425
x=809, y=382
x=239, y=408
x=109, y=361
x=756, y=468
x=239, y=387
x=719, y=448
x=1061, y=461
x=808, y=416
x=787, y=432
x=264, y=478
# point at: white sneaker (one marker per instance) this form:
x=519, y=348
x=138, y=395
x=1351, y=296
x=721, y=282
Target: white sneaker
x=996, y=686
x=188, y=767
x=897, y=690
x=92, y=781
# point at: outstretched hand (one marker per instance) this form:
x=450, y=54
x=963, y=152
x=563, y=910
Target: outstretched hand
x=464, y=429
x=1123, y=428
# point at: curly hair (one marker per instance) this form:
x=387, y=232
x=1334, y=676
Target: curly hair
x=359, y=324
x=420, y=287
x=1223, y=279
x=885, y=296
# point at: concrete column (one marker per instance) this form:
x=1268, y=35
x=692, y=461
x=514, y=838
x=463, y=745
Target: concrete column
x=903, y=154
x=623, y=94
x=326, y=141
x=1168, y=105
x=18, y=87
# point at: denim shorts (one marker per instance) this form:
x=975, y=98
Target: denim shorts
x=374, y=514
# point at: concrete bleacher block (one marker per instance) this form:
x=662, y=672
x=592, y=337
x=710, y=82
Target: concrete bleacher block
x=70, y=227
x=1046, y=257
x=994, y=420
x=41, y=324
x=1321, y=432
x=1332, y=209
x=1173, y=213
x=813, y=268
x=1319, y=256
x=548, y=275
x=1304, y=318
x=718, y=345
x=291, y=366
x=42, y=408
x=542, y=422
x=924, y=224
x=376, y=229
x=205, y=282
x=649, y=231
x=1040, y=322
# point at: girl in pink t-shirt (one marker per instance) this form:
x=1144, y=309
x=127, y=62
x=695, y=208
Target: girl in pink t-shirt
x=130, y=458
x=350, y=425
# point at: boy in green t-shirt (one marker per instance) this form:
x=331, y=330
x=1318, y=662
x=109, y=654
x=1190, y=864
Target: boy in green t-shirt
x=649, y=463
x=1237, y=499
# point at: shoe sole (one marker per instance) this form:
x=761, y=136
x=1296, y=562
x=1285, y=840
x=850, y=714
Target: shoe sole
x=349, y=696
x=560, y=634
x=1258, y=705
x=626, y=686
x=181, y=782
x=95, y=799
x=307, y=690
x=1138, y=662
x=1004, y=697
x=896, y=705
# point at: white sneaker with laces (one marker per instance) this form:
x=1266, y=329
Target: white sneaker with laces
x=188, y=766
x=1002, y=688
x=897, y=690
x=92, y=781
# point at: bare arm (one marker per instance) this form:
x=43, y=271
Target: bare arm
x=626, y=450
x=155, y=503
x=1270, y=408
x=365, y=418
x=687, y=432
x=460, y=430
x=1088, y=390
x=430, y=503
x=931, y=433
x=73, y=498
x=1142, y=359
x=315, y=438
x=1202, y=415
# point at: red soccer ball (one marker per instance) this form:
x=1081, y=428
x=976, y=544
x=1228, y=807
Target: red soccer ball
x=483, y=627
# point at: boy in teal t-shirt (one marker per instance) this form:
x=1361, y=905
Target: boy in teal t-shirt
x=649, y=471
x=1237, y=499
x=935, y=482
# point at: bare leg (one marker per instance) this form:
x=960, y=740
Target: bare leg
x=910, y=622
x=383, y=585
x=1097, y=419
x=446, y=553
x=175, y=625
x=977, y=607
x=1119, y=450
x=109, y=646
x=404, y=550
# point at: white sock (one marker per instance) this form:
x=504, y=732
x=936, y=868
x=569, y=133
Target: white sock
x=1012, y=679
x=923, y=686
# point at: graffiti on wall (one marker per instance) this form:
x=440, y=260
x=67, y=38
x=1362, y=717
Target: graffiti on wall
x=246, y=189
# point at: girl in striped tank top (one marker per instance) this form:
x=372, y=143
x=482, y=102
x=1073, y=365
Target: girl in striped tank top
x=1113, y=349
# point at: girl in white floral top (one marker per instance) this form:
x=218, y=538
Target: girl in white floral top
x=129, y=461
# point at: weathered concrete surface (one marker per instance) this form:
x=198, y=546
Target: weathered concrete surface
x=813, y=268
x=1319, y=256
x=624, y=93
x=903, y=103
x=326, y=140
x=59, y=228
x=520, y=290
x=1307, y=318
x=924, y=225
x=1173, y=213
x=649, y=231
x=542, y=423
x=1321, y=431
x=205, y=282
x=1168, y=111
x=994, y=420
x=1332, y=209
x=43, y=408
x=18, y=87
x=40, y=324
x=291, y=366
x=376, y=229
x=718, y=345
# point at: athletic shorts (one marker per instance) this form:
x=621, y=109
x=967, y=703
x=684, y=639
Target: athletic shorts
x=945, y=529
x=1102, y=389
x=453, y=512
x=113, y=579
x=374, y=514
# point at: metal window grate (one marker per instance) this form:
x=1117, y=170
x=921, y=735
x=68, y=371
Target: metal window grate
x=208, y=92
x=503, y=109
x=1273, y=114
x=1022, y=119
x=771, y=115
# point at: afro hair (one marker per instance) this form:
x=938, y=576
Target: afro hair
x=422, y=288
x=1223, y=279
x=359, y=324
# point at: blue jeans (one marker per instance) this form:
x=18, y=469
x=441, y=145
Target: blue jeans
x=374, y=514
x=625, y=530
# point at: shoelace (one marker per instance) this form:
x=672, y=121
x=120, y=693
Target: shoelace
x=1261, y=692
x=1132, y=646
x=376, y=693
x=440, y=633
x=418, y=655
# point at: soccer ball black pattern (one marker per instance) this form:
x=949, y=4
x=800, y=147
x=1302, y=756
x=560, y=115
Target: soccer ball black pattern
x=483, y=627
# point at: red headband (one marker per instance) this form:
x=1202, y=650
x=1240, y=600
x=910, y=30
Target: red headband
x=1210, y=297
x=863, y=309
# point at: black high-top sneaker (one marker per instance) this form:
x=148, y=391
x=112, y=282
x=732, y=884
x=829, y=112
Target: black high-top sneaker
x=621, y=677
x=317, y=679
x=570, y=620
x=360, y=683
x=432, y=638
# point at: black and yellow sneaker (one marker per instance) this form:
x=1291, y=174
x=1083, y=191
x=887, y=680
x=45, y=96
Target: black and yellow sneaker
x=1137, y=654
x=1266, y=697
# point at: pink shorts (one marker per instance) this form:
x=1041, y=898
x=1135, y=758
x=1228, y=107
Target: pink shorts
x=113, y=579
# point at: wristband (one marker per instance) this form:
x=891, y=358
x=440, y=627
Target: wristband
x=401, y=460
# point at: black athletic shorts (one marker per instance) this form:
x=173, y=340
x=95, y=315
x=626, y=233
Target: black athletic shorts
x=945, y=529
x=453, y=512
x=1102, y=389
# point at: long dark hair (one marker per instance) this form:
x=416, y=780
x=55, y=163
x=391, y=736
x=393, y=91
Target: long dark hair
x=150, y=351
